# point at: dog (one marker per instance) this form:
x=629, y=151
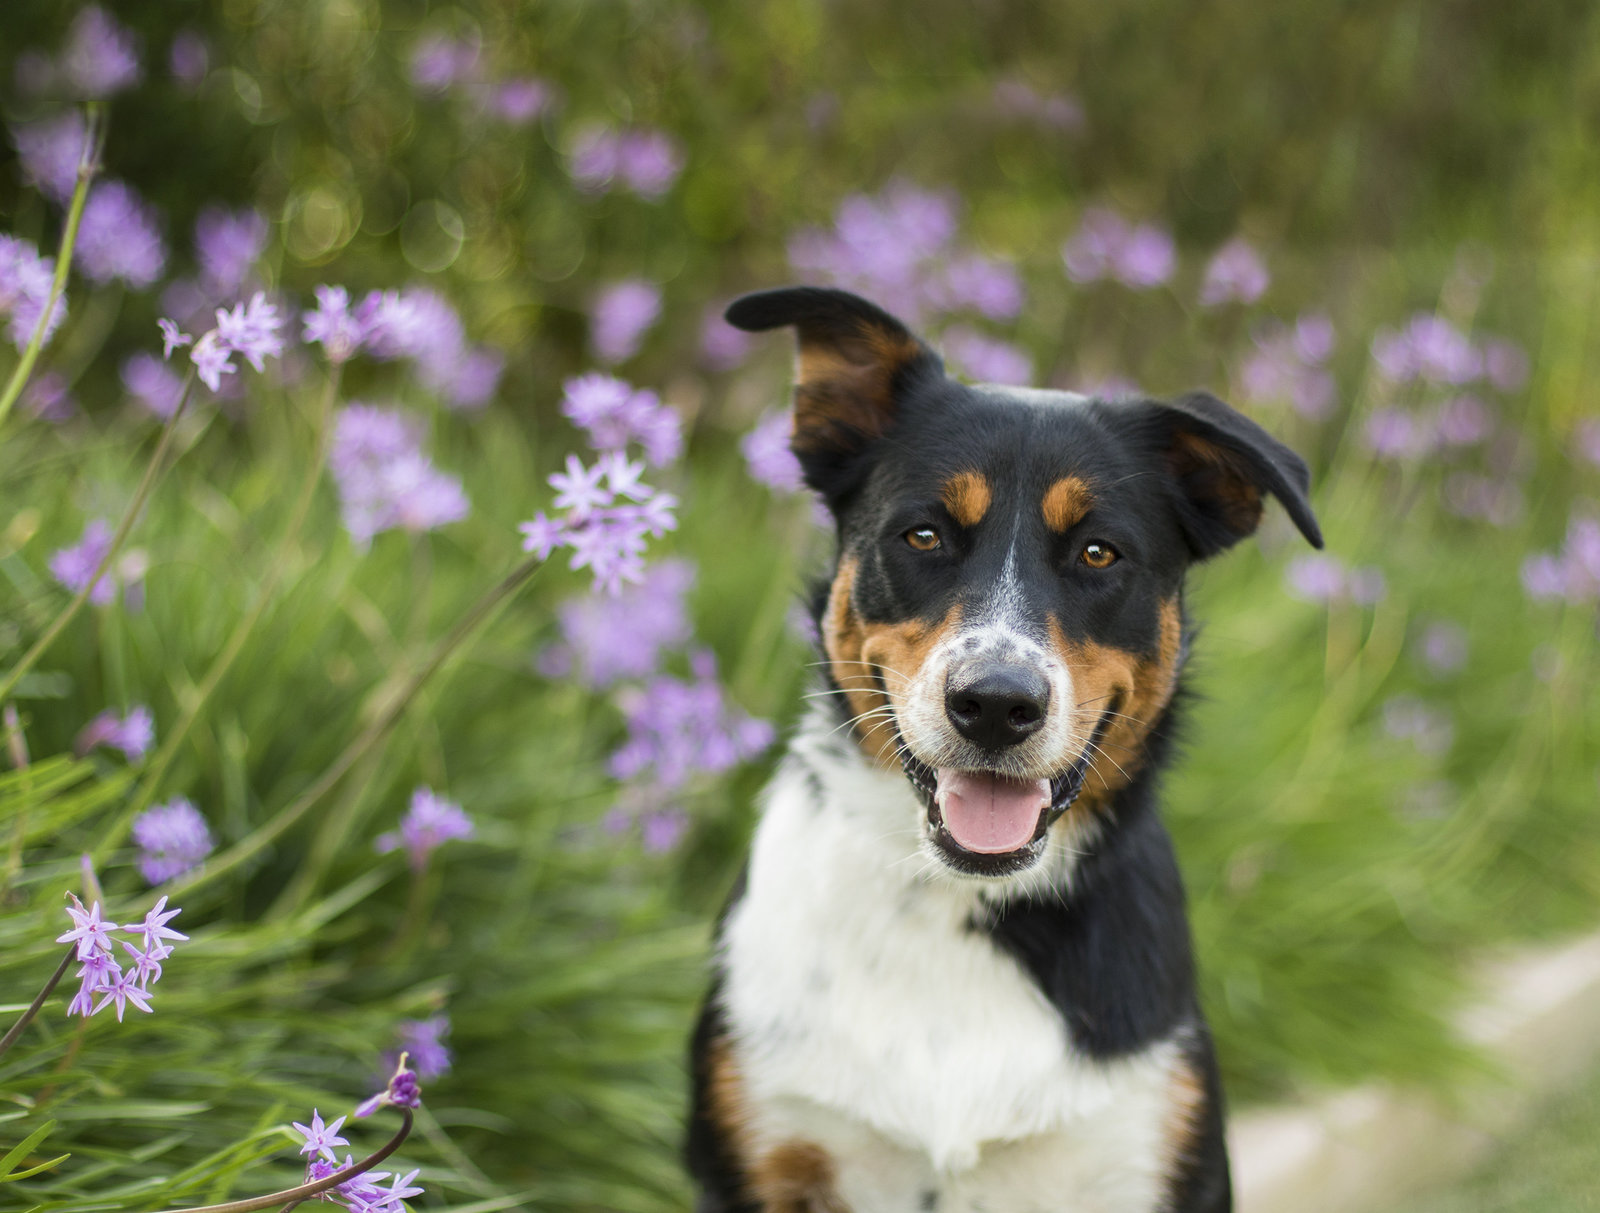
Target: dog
x=956, y=975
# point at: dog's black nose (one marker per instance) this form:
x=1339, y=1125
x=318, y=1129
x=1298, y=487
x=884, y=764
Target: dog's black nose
x=997, y=705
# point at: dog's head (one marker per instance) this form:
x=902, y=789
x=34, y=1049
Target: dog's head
x=1004, y=618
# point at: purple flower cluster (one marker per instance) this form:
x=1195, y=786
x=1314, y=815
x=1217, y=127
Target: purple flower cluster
x=1587, y=437
x=1015, y=99
x=25, y=279
x=607, y=640
x=609, y=513
x=1442, y=648
x=1106, y=245
x=133, y=734
x=722, y=347
x=1431, y=349
x=172, y=838
x=422, y=1044
x=152, y=383
x=74, y=566
x=1235, y=274
x=402, y=1091
x=100, y=57
x=767, y=454
x=679, y=729
x=118, y=238
x=986, y=359
x=1407, y=718
x=1323, y=577
x=361, y=1193
x=48, y=399
x=227, y=245
x=1458, y=421
x=101, y=973
x=1572, y=573
x=250, y=330
x=899, y=248
x=1288, y=365
x=642, y=160
x=51, y=151
x=416, y=323
x=385, y=479
x=189, y=58
x=441, y=64
x=614, y=413
x=429, y=822
x=622, y=314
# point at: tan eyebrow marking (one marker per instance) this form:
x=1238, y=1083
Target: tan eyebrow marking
x=1065, y=502
x=967, y=496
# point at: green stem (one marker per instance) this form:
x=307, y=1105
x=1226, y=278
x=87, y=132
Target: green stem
x=151, y=472
x=10, y=1037
x=150, y=783
x=306, y=1191
x=88, y=164
x=263, y=835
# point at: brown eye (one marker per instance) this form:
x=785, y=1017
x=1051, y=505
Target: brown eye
x=1099, y=555
x=923, y=539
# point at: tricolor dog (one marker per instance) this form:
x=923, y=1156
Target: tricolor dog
x=957, y=973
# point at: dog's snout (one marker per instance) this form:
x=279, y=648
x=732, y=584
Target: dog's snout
x=997, y=705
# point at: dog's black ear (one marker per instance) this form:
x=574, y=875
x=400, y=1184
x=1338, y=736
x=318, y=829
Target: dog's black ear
x=1222, y=462
x=854, y=361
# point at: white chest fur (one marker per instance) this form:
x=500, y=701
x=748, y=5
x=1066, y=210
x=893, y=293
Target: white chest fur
x=869, y=1019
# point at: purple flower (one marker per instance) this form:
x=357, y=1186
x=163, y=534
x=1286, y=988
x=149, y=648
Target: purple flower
x=987, y=286
x=212, y=360
x=1147, y=259
x=90, y=932
x=122, y=989
x=1408, y=718
x=1574, y=572
x=385, y=480
x=251, y=330
x=402, y=1091
x=73, y=566
x=320, y=1139
x=605, y=531
x=422, y=1040
x=614, y=413
x=439, y=62
x=606, y=640
x=622, y=314
x=1505, y=365
x=1314, y=338
x=1013, y=98
x=722, y=347
x=189, y=59
x=593, y=159
x=648, y=162
x=661, y=829
x=172, y=838
x=47, y=398
x=154, y=928
x=1461, y=421
x=152, y=383
x=133, y=734
x=332, y=325
x=50, y=151
x=1318, y=577
x=1471, y=495
x=987, y=359
x=100, y=57
x=1429, y=348
x=473, y=381
x=1442, y=647
x=1235, y=274
x=428, y=823
x=519, y=101
x=117, y=238
x=1092, y=252
x=228, y=244
x=542, y=534
x=680, y=729
x=767, y=454
x=172, y=338
x=1396, y=434
x=146, y=961
x=25, y=282
x=1544, y=577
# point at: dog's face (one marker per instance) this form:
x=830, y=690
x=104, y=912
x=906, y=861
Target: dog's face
x=1004, y=619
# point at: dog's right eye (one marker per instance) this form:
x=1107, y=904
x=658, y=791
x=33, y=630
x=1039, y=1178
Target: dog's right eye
x=923, y=539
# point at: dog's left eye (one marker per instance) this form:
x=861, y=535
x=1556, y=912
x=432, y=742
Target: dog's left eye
x=1099, y=555
x=923, y=539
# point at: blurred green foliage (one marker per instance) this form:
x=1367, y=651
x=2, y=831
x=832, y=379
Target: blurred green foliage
x=1389, y=157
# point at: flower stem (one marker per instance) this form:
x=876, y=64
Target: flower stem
x=10, y=1037
x=141, y=494
x=307, y=1190
x=88, y=165
x=150, y=782
x=264, y=834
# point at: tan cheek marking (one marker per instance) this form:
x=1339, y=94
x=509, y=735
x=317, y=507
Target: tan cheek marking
x=1145, y=685
x=1186, y=1102
x=1065, y=503
x=864, y=657
x=796, y=1177
x=967, y=496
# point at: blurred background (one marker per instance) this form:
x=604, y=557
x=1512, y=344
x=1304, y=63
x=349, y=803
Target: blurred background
x=1371, y=226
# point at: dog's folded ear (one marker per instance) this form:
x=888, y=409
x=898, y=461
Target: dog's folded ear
x=1221, y=463
x=854, y=362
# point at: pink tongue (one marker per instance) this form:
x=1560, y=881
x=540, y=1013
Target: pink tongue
x=990, y=814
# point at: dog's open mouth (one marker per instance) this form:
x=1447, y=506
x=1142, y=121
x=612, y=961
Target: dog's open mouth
x=990, y=824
